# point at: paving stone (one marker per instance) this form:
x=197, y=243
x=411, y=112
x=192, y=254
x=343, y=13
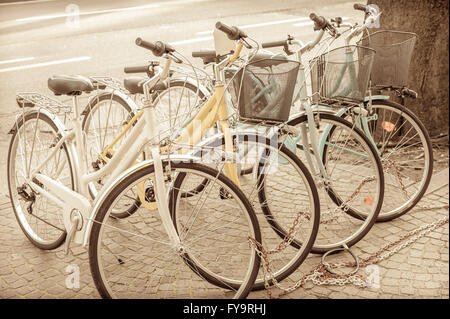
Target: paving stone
x=418, y=271
x=407, y=290
x=22, y=270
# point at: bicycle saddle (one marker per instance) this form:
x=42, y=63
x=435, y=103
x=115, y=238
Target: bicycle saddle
x=69, y=84
x=134, y=84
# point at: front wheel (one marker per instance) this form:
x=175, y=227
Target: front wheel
x=352, y=190
x=134, y=258
x=285, y=198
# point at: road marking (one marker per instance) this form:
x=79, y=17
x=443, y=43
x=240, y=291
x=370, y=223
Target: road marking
x=257, y=25
x=63, y=15
x=203, y=39
x=148, y=6
x=37, y=65
x=303, y=24
x=17, y=60
x=24, y=2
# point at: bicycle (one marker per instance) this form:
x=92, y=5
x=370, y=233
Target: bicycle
x=345, y=235
x=47, y=174
x=365, y=195
x=396, y=132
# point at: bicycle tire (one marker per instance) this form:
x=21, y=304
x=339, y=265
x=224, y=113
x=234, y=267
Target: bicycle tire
x=272, y=218
x=403, y=114
x=189, y=260
x=30, y=232
x=333, y=194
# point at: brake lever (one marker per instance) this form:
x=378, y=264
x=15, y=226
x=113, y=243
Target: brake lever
x=286, y=47
x=174, y=58
x=246, y=44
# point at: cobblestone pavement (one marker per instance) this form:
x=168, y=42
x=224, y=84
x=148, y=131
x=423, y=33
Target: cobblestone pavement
x=420, y=270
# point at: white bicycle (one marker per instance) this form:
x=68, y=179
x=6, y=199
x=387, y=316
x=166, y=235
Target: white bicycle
x=152, y=253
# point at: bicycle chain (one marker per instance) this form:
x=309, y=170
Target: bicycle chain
x=343, y=207
x=399, y=177
x=320, y=275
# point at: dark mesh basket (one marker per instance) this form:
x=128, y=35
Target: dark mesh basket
x=263, y=89
x=394, y=51
x=341, y=76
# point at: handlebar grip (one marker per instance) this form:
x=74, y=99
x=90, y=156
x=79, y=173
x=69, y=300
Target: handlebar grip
x=409, y=93
x=145, y=44
x=359, y=6
x=204, y=54
x=233, y=33
x=274, y=44
x=167, y=47
x=319, y=21
x=136, y=69
x=158, y=48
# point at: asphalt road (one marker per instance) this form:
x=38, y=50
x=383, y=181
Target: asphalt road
x=42, y=37
x=39, y=33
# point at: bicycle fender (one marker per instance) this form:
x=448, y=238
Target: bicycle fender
x=377, y=97
x=124, y=97
x=62, y=130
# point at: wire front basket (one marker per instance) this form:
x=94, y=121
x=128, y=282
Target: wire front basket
x=340, y=77
x=394, y=52
x=263, y=90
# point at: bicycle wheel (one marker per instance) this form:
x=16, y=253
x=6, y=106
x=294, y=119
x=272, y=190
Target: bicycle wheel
x=133, y=257
x=285, y=198
x=33, y=139
x=406, y=153
x=105, y=118
x=177, y=104
x=354, y=185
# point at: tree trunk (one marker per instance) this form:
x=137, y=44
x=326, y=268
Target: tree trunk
x=428, y=73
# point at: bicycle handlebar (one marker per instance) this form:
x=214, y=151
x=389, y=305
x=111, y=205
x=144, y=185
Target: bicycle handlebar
x=158, y=48
x=321, y=23
x=359, y=6
x=136, y=69
x=274, y=44
x=409, y=93
x=204, y=54
x=233, y=33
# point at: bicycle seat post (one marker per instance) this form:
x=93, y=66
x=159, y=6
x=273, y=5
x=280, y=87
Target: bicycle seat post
x=79, y=138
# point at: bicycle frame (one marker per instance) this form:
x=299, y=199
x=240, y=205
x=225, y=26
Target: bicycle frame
x=76, y=203
x=300, y=93
x=212, y=113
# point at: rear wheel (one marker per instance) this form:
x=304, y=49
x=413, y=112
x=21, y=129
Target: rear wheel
x=177, y=104
x=406, y=153
x=104, y=119
x=34, y=137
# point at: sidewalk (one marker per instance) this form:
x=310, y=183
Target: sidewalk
x=420, y=270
